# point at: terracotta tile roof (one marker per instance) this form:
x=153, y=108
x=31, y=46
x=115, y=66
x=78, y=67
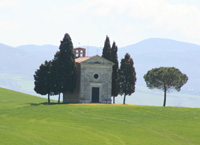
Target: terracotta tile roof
x=81, y=59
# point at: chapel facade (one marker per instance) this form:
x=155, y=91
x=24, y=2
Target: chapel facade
x=94, y=80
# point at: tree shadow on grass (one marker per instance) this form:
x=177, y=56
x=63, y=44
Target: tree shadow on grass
x=45, y=103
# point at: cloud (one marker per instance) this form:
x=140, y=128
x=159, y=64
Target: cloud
x=6, y=6
x=137, y=19
x=8, y=25
x=178, y=17
x=9, y=4
x=172, y=17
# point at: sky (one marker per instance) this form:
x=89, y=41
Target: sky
x=88, y=22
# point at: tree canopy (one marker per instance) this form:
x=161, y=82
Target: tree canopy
x=42, y=80
x=127, y=77
x=59, y=75
x=65, y=67
x=166, y=79
x=57, y=84
x=107, y=49
x=115, y=72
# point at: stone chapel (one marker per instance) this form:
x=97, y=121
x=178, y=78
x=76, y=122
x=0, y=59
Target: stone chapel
x=94, y=79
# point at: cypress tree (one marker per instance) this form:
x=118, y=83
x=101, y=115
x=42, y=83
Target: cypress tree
x=65, y=66
x=127, y=77
x=42, y=80
x=57, y=76
x=57, y=85
x=107, y=49
x=115, y=73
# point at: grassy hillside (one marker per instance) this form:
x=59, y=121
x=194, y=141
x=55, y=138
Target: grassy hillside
x=27, y=119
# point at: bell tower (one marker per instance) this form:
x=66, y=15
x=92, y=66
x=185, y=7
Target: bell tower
x=79, y=52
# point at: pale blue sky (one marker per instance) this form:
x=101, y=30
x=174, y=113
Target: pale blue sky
x=89, y=21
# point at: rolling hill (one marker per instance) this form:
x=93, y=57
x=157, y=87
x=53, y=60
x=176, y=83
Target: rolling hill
x=18, y=65
x=28, y=120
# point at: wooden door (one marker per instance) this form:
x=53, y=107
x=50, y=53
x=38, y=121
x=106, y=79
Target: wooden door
x=95, y=95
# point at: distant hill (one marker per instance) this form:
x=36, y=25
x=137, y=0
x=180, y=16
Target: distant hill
x=18, y=65
x=161, y=44
x=24, y=59
x=156, y=52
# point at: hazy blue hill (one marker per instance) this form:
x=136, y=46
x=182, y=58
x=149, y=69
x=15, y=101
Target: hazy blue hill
x=19, y=64
x=156, y=52
x=161, y=44
x=46, y=49
x=5, y=48
x=10, y=58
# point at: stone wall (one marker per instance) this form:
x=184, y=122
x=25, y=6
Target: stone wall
x=94, y=72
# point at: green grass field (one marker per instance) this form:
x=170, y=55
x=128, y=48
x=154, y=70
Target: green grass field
x=28, y=120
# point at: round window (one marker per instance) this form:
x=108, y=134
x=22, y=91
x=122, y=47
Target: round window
x=96, y=76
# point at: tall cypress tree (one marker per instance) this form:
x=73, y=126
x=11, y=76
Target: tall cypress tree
x=42, y=80
x=127, y=77
x=115, y=73
x=65, y=66
x=57, y=85
x=57, y=76
x=107, y=49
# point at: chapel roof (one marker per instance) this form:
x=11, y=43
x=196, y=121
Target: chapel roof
x=81, y=59
x=94, y=60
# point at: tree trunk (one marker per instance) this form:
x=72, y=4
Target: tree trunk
x=124, y=99
x=63, y=98
x=48, y=98
x=165, y=95
x=59, y=98
x=113, y=99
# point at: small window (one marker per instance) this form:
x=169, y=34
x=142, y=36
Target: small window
x=96, y=76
